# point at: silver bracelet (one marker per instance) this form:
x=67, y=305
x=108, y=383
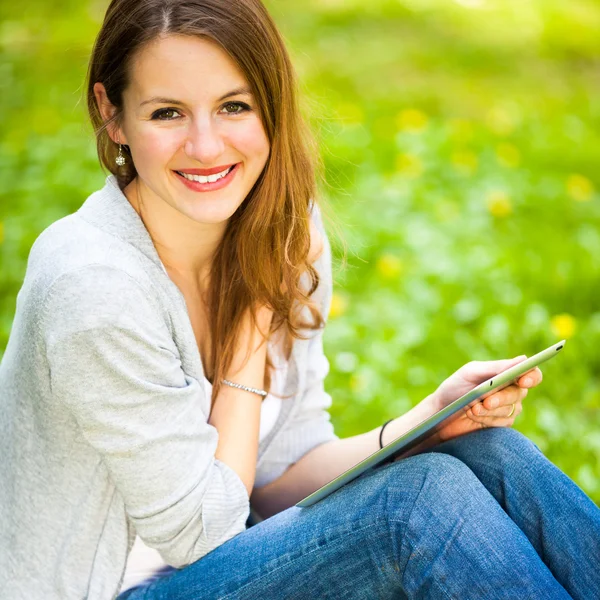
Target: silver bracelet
x=245, y=387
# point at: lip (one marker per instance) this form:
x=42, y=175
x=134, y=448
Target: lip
x=206, y=172
x=196, y=186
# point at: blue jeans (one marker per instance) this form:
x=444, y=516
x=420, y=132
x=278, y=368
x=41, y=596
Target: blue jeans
x=485, y=515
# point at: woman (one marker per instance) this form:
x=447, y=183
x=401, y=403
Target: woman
x=158, y=378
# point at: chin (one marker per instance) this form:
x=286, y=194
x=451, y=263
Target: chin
x=210, y=213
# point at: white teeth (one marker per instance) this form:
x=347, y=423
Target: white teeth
x=208, y=179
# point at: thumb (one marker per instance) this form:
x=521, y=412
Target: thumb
x=481, y=370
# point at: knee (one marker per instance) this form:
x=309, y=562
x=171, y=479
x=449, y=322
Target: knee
x=445, y=474
x=435, y=495
x=504, y=444
x=432, y=479
x=441, y=469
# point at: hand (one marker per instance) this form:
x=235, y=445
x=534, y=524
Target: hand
x=493, y=410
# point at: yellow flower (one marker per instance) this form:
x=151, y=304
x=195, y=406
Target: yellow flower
x=499, y=204
x=508, y=155
x=389, y=266
x=339, y=304
x=1, y=232
x=409, y=164
x=412, y=119
x=580, y=188
x=464, y=161
x=563, y=325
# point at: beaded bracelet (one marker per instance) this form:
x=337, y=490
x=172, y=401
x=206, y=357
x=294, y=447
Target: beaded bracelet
x=381, y=433
x=262, y=393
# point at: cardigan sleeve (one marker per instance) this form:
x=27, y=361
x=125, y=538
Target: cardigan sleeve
x=114, y=365
x=310, y=425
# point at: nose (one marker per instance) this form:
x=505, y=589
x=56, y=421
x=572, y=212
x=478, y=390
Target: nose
x=204, y=142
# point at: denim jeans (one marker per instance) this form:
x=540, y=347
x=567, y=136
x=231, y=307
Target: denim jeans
x=485, y=515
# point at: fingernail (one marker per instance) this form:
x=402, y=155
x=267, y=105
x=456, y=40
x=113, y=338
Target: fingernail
x=494, y=403
x=527, y=381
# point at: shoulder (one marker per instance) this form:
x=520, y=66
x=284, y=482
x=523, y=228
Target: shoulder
x=72, y=244
x=79, y=277
x=73, y=256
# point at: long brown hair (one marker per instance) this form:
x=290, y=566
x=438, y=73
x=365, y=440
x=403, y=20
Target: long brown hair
x=265, y=248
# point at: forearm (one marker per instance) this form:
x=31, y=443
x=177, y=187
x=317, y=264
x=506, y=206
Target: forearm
x=236, y=412
x=327, y=461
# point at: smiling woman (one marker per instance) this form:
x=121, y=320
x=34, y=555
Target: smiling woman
x=171, y=333
x=206, y=242
x=191, y=105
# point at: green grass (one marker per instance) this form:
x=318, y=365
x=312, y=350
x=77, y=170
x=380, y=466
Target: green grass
x=462, y=149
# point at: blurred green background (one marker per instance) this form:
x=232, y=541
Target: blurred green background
x=461, y=145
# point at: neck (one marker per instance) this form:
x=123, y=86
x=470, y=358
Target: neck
x=185, y=247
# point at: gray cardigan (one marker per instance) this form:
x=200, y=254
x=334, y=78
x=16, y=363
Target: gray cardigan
x=103, y=429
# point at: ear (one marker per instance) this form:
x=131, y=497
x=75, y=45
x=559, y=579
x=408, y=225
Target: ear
x=107, y=110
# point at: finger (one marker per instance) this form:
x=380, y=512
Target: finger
x=509, y=395
x=474, y=416
x=531, y=378
x=478, y=371
x=499, y=416
x=503, y=419
x=508, y=412
x=478, y=409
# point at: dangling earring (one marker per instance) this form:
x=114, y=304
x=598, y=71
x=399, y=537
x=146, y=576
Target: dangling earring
x=120, y=160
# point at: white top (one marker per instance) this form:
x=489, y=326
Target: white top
x=143, y=561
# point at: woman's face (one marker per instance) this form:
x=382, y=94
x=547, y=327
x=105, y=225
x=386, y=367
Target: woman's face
x=189, y=109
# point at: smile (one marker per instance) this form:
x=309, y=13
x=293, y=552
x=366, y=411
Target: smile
x=208, y=178
x=201, y=183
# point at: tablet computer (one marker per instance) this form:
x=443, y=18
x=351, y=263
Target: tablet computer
x=402, y=445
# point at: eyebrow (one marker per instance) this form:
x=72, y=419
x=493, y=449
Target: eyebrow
x=241, y=91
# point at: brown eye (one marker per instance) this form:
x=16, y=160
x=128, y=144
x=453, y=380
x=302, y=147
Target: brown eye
x=159, y=114
x=240, y=106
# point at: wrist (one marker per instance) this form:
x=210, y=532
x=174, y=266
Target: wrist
x=382, y=430
x=433, y=402
x=396, y=427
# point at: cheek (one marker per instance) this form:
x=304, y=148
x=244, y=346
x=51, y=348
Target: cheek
x=155, y=147
x=252, y=142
